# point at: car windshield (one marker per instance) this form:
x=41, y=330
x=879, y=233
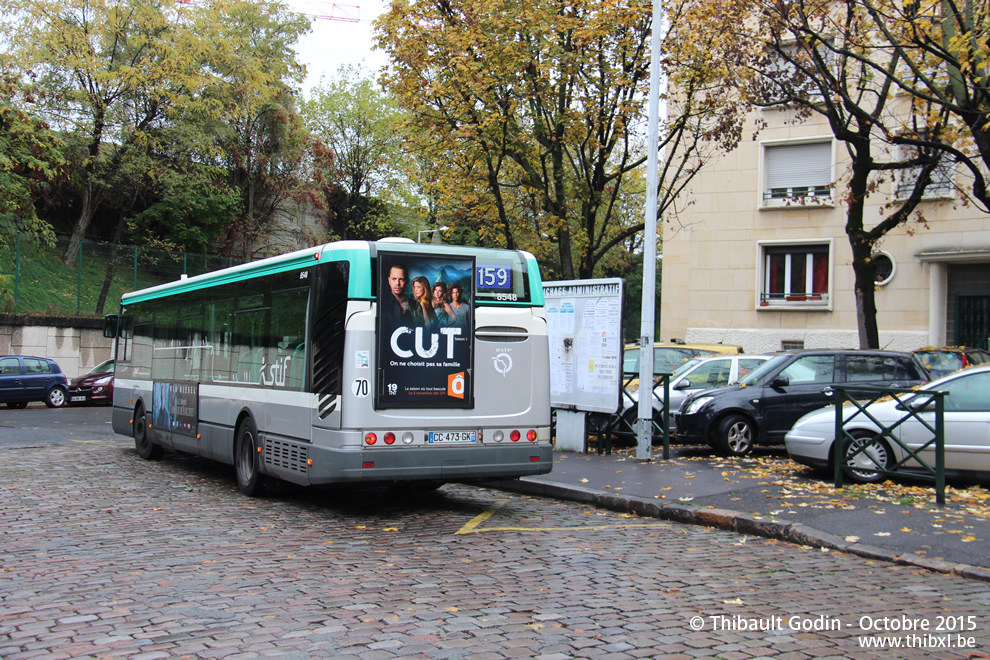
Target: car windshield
x=687, y=366
x=756, y=375
x=102, y=367
x=940, y=362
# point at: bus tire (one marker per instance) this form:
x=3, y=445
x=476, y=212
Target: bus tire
x=247, y=460
x=143, y=445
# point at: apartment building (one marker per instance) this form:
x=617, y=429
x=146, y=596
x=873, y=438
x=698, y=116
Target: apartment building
x=758, y=255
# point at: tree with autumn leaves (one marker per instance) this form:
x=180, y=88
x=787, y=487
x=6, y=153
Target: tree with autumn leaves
x=530, y=118
x=144, y=91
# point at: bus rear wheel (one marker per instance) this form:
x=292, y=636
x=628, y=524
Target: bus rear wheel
x=143, y=445
x=247, y=460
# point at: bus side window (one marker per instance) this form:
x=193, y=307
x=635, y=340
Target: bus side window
x=221, y=332
x=163, y=352
x=248, y=347
x=288, y=355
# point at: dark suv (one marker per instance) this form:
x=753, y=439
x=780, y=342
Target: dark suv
x=767, y=402
x=25, y=378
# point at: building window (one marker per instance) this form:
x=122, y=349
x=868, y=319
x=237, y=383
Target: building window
x=797, y=275
x=797, y=173
x=784, y=79
x=940, y=186
x=885, y=267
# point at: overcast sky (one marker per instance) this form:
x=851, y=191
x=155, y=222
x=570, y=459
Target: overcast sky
x=335, y=42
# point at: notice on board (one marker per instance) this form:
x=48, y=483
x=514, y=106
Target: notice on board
x=584, y=323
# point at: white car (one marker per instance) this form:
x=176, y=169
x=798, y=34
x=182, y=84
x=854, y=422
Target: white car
x=695, y=375
x=966, y=426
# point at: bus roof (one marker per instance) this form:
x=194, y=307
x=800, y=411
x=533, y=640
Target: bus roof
x=357, y=253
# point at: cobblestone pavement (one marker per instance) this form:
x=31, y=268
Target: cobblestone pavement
x=105, y=555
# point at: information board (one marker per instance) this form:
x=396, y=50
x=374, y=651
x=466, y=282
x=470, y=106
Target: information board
x=584, y=322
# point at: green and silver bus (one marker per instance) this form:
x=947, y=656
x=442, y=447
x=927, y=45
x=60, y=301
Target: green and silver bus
x=349, y=362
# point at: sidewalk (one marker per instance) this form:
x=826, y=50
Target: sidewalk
x=768, y=495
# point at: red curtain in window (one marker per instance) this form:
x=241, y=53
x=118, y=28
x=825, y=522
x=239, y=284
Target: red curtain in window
x=819, y=274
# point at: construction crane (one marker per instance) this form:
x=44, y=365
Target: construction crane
x=338, y=12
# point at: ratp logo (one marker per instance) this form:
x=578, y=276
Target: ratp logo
x=455, y=385
x=502, y=363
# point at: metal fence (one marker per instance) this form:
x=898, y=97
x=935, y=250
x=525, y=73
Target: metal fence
x=624, y=425
x=34, y=279
x=852, y=446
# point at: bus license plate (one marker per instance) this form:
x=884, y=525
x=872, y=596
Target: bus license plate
x=448, y=437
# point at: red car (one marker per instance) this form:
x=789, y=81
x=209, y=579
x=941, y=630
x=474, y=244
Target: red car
x=95, y=387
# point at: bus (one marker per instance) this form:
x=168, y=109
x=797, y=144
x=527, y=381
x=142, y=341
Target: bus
x=354, y=361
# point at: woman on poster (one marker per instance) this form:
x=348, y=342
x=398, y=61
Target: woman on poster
x=441, y=307
x=422, y=307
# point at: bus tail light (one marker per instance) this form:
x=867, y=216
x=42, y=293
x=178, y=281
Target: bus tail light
x=389, y=438
x=534, y=459
x=368, y=464
x=514, y=436
x=370, y=438
x=531, y=435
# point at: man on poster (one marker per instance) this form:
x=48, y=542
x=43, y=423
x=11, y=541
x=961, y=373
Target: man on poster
x=396, y=306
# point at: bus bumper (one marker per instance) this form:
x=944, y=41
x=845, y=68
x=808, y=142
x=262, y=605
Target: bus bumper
x=334, y=465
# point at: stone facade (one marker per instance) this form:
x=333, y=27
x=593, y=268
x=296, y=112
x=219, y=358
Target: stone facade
x=76, y=344
x=715, y=257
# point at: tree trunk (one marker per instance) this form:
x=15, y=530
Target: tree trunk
x=82, y=226
x=566, y=262
x=866, y=311
x=111, y=265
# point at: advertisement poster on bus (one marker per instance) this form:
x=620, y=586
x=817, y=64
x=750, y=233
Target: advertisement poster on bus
x=425, y=331
x=175, y=407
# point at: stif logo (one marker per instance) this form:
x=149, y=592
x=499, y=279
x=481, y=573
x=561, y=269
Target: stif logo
x=455, y=385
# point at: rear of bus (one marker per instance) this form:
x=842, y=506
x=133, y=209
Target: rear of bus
x=460, y=394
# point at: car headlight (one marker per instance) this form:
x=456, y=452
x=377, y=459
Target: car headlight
x=106, y=380
x=698, y=404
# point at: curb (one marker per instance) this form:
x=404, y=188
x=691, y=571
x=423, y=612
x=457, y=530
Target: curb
x=732, y=521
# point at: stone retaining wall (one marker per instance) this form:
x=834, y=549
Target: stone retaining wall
x=77, y=344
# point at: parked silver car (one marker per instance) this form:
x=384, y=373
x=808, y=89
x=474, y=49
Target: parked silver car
x=696, y=375
x=967, y=430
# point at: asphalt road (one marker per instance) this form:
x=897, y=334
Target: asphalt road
x=38, y=425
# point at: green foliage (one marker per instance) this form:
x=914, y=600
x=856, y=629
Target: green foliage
x=190, y=211
x=30, y=160
x=142, y=90
x=361, y=126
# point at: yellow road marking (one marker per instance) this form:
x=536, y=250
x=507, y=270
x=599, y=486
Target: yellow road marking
x=472, y=527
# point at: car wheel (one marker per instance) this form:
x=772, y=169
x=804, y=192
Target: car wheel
x=735, y=436
x=143, y=445
x=17, y=405
x=247, y=459
x=56, y=397
x=864, y=467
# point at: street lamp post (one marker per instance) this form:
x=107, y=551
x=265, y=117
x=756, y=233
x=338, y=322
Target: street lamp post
x=419, y=236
